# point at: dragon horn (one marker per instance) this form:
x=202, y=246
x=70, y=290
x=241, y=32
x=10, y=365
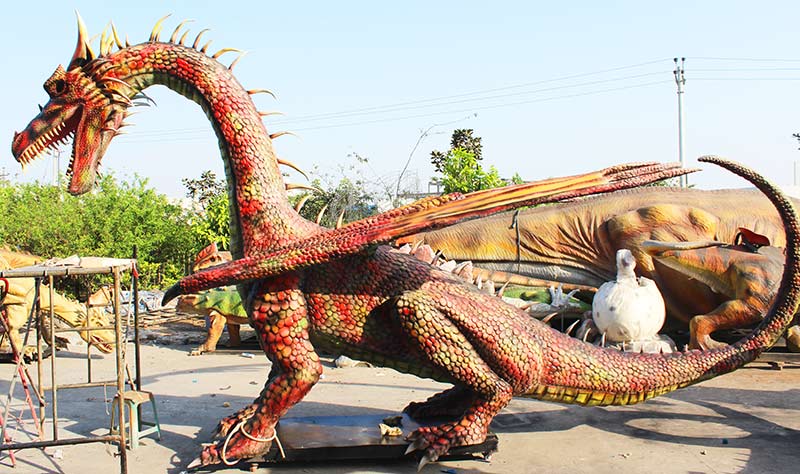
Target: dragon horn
x=83, y=51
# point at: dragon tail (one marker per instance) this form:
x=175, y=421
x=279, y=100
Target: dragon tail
x=584, y=374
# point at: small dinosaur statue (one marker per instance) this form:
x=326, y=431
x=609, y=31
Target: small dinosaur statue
x=222, y=306
x=715, y=285
x=339, y=288
x=20, y=299
x=576, y=242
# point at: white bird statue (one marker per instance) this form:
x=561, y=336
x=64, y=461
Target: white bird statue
x=628, y=308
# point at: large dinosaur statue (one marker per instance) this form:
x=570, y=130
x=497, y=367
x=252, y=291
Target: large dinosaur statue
x=337, y=288
x=575, y=242
x=19, y=300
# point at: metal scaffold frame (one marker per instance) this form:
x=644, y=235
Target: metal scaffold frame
x=40, y=272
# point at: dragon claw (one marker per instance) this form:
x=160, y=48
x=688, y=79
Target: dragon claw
x=425, y=459
x=197, y=462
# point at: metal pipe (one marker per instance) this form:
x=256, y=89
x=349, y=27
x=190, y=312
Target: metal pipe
x=81, y=329
x=136, y=344
x=123, y=450
x=39, y=348
x=41, y=272
x=88, y=345
x=100, y=383
x=53, y=351
x=61, y=442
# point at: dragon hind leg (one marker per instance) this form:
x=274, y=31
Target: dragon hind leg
x=443, y=345
x=728, y=315
x=450, y=403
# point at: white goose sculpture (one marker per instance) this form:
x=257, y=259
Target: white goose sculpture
x=628, y=308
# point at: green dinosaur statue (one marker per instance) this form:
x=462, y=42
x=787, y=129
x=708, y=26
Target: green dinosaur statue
x=575, y=243
x=341, y=290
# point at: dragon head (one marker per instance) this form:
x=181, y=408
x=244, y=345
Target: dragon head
x=86, y=103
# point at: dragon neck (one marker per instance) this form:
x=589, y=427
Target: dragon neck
x=260, y=215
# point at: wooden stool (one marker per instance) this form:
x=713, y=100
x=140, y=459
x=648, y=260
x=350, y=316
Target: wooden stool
x=133, y=399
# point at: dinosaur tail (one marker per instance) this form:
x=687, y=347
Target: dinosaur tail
x=580, y=373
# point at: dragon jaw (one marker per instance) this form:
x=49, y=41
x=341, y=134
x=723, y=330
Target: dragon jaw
x=87, y=104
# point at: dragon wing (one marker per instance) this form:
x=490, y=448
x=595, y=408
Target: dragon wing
x=425, y=214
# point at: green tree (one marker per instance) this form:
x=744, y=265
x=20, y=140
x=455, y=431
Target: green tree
x=462, y=173
x=210, y=221
x=463, y=139
x=461, y=168
x=44, y=220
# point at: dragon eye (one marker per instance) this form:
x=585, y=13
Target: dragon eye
x=60, y=86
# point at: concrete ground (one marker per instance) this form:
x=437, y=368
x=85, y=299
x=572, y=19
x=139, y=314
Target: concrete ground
x=748, y=421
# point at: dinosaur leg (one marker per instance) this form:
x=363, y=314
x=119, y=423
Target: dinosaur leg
x=280, y=320
x=234, y=338
x=450, y=403
x=441, y=342
x=215, y=327
x=729, y=315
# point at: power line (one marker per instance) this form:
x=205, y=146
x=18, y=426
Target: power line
x=774, y=60
x=431, y=114
x=400, y=105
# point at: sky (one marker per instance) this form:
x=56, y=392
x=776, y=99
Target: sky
x=553, y=88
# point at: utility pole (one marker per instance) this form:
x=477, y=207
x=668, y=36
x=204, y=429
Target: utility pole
x=56, y=154
x=680, y=81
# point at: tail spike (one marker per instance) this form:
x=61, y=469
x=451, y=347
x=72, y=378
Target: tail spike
x=292, y=166
x=572, y=326
x=301, y=202
x=127, y=42
x=157, y=28
x=280, y=134
x=177, y=30
x=603, y=340
x=269, y=112
x=236, y=61
x=197, y=39
x=320, y=214
x=436, y=257
x=262, y=91
x=503, y=288
x=205, y=46
x=340, y=220
x=223, y=51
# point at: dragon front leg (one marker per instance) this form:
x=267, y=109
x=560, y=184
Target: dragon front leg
x=280, y=319
x=480, y=390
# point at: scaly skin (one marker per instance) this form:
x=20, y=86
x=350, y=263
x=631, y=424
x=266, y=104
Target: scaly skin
x=328, y=288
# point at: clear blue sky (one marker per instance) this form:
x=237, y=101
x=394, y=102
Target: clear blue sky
x=442, y=62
